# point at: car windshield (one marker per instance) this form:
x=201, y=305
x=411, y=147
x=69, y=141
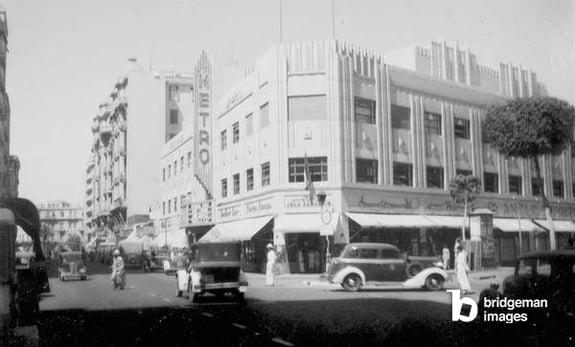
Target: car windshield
x=207, y=252
x=350, y=252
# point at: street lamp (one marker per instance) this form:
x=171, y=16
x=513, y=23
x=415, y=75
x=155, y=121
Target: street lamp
x=326, y=220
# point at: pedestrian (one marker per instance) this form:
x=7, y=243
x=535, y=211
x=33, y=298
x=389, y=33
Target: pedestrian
x=270, y=265
x=445, y=257
x=461, y=270
x=570, y=243
x=455, y=251
x=118, y=272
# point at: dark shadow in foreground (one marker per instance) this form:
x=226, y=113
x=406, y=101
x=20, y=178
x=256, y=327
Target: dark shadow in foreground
x=304, y=323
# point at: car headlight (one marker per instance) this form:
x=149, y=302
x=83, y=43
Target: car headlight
x=438, y=264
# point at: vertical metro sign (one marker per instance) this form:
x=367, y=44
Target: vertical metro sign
x=203, y=122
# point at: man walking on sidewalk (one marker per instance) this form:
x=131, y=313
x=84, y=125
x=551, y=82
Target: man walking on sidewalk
x=270, y=265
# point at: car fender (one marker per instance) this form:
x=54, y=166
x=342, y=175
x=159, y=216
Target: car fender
x=418, y=280
x=340, y=275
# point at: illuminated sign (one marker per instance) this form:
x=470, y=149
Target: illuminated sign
x=203, y=122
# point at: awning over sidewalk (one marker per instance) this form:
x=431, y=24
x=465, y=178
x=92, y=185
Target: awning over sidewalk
x=446, y=221
x=391, y=220
x=241, y=230
x=565, y=226
x=512, y=225
x=306, y=223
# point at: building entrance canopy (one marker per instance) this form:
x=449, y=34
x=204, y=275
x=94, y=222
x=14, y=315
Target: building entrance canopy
x=512, y=225
x=306, y=223
x=405, y=220
x=241, y=230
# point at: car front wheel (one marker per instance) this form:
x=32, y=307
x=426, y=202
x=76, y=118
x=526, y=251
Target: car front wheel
x=351, y=282
x=434, y=282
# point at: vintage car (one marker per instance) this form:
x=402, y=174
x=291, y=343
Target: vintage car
x=546, y=275
x=72, y=267
x=215, y=268
x=179, y=260
x=157, y=260
x=365, y=264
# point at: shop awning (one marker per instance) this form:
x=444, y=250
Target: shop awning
x=391, y=220
x=512, y=225
x=446, y=221
x=565, y=226
x=306, y=223
x=241, y=230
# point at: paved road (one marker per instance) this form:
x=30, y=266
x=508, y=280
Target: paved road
x=297, y=311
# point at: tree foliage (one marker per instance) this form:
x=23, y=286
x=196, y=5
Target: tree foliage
x=530, y=127
x=463, y=189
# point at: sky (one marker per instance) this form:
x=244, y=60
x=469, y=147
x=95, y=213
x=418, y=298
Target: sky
x=66, y=55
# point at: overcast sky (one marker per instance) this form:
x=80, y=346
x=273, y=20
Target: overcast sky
x=65, y=55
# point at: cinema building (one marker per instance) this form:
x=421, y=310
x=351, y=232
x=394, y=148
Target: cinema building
x=381, y=138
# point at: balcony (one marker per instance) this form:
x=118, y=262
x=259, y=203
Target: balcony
x=198, y=213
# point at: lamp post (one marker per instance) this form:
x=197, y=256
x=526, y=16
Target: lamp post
x=326, y=219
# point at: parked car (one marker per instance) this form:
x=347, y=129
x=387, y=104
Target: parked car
x=364, y=264
x=72, y=267
x=215, y=268
x=179, y=260
x=157, y=260
x=546, y=275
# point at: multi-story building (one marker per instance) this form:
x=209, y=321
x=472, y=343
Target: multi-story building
x=186, y=162
x=145, y=109
x=63, y=220
x=380, y=138
x=9, y=164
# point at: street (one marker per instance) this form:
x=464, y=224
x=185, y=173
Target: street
x=296, y=311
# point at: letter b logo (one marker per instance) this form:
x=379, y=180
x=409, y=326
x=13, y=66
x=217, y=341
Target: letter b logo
x=458, y=303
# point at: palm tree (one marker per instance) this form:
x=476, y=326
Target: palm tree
x=463, y=190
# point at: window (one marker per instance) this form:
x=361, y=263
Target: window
x=432, y=123
x=434, y=177
x=400, y=117
x=163, y=207
x=402, y=174
x=164, y=175
x=224, y=139
x=265, y=174
x=182, y=163
x=461, y=128
x=463, y=172
x=317, y=167
x=224, y=187
x=367, y=253
x=250, y=179
x=236, y=178
x=365, y=170
x=309, y=107
x=236, y=132
x=173, y=116
x=573, y=189
x=536, y=186
x=490, y=181
x=169, y=170
x=175, y=204
x=389, y=254
x=190, y=159
x=558, y=189
x=249, y=124
x=265, y=115
x=175, y=167
x=364, y=110
x=169, y=206
x=515, y=185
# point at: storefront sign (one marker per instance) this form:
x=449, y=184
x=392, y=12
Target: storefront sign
x=230, y=211
x=203, y=122
x=258, y=206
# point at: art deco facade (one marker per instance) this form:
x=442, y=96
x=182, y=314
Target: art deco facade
x=63, y=220
x=144, y=111
x=381, y=138
x=9, y=164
